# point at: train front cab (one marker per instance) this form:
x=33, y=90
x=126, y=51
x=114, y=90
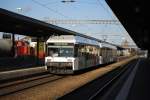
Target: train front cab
x=60, y=58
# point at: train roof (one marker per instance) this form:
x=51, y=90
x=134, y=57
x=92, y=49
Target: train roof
x=72, y=39
x=79, y=40
x=108, y=45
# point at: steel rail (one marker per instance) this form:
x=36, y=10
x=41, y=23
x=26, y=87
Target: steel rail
x=19, y=85
x=109, y=82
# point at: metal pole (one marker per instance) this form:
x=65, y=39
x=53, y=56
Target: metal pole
x=37, y=49
x=13, y=45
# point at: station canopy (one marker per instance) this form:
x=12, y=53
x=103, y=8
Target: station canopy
x=14, y=23
x=134, y=15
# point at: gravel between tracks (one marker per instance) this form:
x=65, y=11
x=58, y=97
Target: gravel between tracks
x=56, y=89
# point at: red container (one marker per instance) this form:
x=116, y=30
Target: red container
x=22, y=50
x=20, y=43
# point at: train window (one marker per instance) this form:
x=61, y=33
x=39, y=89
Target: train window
x=6, y=36
x=60, y=51
x=80, y=50
x=100, y=52
x=52, y=52
x=66, y=52
x=91, y=49
x=76, y=50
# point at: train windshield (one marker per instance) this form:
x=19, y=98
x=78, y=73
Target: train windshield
x=60, y=51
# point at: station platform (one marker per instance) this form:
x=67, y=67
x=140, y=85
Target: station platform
x=137, y=85
x=19, y=67
x=11, y=63
x=6, y=75
x=141, y=84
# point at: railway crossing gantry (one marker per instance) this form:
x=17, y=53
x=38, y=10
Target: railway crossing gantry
x=73, y=21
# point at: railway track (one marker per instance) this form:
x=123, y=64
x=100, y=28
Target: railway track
x=27, y=82
x=103, y=92
x=98, y=89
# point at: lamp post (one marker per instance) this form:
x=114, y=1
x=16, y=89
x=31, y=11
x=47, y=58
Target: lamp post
x=19, y=10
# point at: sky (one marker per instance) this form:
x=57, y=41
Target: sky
x=80, y=9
